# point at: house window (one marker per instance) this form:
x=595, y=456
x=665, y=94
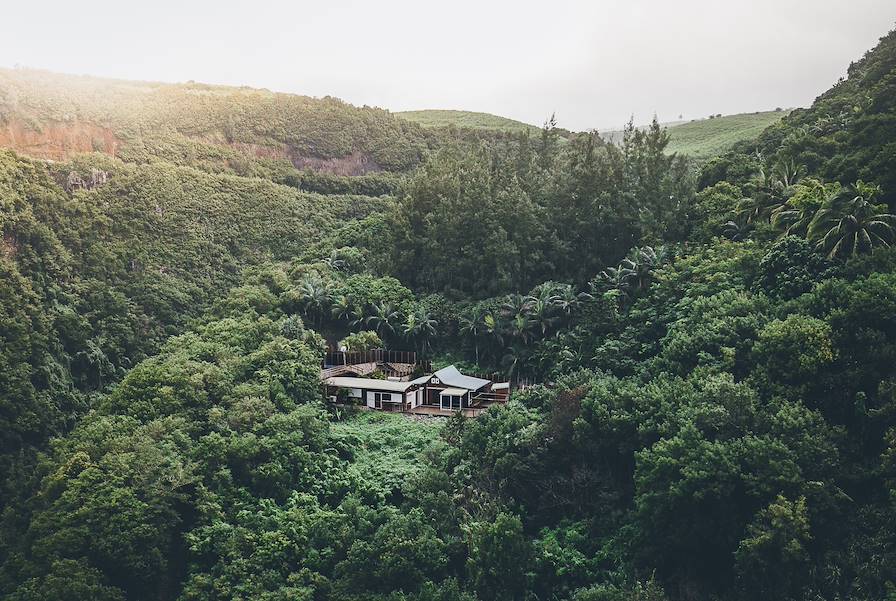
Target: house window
x=380, y=397
x=451, y=401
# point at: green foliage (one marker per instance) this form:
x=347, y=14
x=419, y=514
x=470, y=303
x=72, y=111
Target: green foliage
x=364, y=340
x=215, y=128
x=797, y=348
x=466, y=120
x=773, y=560
x=718, y=418
x=704, y=139
x=846, y=135
x=385, y=450
x=488, y=221
x=499, y=554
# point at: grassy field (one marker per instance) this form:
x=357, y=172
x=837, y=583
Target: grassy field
x=707, y=138
x=387, y=447
x=468, y=119
x=701, y=139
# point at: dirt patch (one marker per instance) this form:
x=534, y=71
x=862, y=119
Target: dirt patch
x=356, y=163
x=58, y=141
x=9, y=246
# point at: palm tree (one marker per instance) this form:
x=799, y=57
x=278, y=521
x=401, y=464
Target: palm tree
x=541, y=314
x=343, y=308
x=756, y=208
x=566, y=300
x=512, y=360
x=641, y=265
x=516, y=304
x=795, y=215
x=473, y=325
x=618, y=278
x=384, y=319
x=850, y=226
x=494, y=329
x=786, y=172
x=420, y=327
x=735, y=231
x=314, y=298
x=357, y=318
x=520, y=327
x=333, y=261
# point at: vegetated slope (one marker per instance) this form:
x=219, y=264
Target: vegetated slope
x=719, y=422
x=849, y=132
x=98, y=275
x=703, y=139
x=706, y=138
x=466, y=119
x=386, y=447
x=52, y=116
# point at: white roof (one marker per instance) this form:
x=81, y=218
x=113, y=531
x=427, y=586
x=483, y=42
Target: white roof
x=500, y=385
x=451, y=377
x=454, y=392
x=369, y=384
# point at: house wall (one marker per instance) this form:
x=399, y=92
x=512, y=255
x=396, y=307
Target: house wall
x=370, y=401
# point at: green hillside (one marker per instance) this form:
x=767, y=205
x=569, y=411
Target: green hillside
x=705, y=138
x=702, y=139
x=713, y=414
x=466, y=119
x=215, y=128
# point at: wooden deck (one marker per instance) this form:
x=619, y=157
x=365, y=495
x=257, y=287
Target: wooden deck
x=432, y=410
x=423, y=410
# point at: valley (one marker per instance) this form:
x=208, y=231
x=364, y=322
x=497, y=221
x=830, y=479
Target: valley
x=696, y=325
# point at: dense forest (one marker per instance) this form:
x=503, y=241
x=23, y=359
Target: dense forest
x=714, y=341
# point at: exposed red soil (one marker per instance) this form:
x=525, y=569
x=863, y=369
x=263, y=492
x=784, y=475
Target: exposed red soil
x=58, y=141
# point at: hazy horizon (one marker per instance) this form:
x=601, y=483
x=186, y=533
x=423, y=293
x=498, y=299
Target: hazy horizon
x=593, y=64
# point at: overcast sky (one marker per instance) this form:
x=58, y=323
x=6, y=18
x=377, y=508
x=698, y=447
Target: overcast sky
x=594, y=63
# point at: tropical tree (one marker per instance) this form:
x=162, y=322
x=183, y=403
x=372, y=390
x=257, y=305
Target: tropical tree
x=853, y=224
x=314, y=298
x=333, y=261
x=735, y=231
x=420, y=328
x=567, y=301
x=618, y=278
x=343, y=308
x=512, y=360
x=493, y=328
x=473, y=325
x=516, y=304
x=810, y=195
x=542, y=314
x=361, y=341
x=520, y=327
x=785, y=172
x=384, y=320
x=641, y=264
x=759, y=207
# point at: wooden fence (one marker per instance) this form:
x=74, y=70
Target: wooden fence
x=334, y=358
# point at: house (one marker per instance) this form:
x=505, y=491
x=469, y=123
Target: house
x=440, y=393
x=451, y=390
x=388, y=395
